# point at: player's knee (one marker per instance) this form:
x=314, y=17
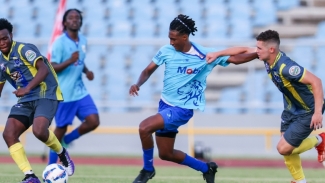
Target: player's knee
x=6, y=135
x=283, y=151
x=143, y=129
x=40, y=134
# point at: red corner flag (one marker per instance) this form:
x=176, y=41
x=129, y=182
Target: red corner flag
x=57, y=30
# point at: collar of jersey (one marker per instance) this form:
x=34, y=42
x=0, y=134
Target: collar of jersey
x=277, y=58
x=67, y=35
x=197, y=51
x=8, y=57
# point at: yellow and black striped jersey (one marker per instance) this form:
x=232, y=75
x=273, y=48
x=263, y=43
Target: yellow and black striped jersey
x=19, y=68
x=286, y=74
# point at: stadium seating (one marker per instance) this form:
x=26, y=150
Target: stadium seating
x=117, y=67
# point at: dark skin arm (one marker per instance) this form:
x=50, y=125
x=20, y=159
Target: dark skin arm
x=1, y=87
x=60, y=67
x=242, y=58
x=144, y=76
x=42, y=72
x=89, y=74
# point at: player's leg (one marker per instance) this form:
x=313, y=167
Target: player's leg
x=295, y=130
x=45, y=110
x=18, y=122
x=87, y=113
x=64, y=116
x=173, y=118
x=146, y=128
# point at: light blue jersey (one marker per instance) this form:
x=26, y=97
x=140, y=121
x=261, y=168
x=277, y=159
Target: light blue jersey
x=185, y=75
x=70, y=79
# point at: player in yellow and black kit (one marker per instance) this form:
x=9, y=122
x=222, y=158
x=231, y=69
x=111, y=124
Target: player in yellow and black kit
x=39, y=94
x=303, y=103
x=302, y=96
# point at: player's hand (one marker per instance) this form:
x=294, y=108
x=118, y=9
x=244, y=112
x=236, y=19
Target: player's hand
x=74, y=57
x=21, y=92
x=210, y=57
x=317, y=121
x=90, y=75
x=134, y=90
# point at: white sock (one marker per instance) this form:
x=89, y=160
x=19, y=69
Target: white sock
x=29, y=172
x=320, y=140
x=60, y=151
x=301, y=181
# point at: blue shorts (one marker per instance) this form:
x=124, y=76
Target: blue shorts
x=68, y=110
x=173, y=116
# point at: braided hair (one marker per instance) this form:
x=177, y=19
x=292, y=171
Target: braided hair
x=183, y=24
x=5, y=24
x=66, y=15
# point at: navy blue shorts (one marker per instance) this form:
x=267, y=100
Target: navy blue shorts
x=173, y=116
x=68, y=110
x=296, y=128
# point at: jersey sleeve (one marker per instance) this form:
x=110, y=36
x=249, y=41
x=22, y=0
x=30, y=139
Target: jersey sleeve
x=30, y=53
x=220, y=60
x=293, y=72
x=160, y=57
x=56, y=53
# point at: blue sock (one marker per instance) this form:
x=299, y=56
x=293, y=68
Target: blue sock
x=195, y=164
x=71, y=136
x=148, y=159
x=53, y=157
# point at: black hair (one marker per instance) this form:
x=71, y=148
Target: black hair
x=66, y=15
x=183, y=24
x=269, y=36
x=5, y=24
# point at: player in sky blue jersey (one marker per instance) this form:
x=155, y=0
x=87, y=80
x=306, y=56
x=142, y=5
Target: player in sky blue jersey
x=184, y=83
x=38, y=93
x=68, y=55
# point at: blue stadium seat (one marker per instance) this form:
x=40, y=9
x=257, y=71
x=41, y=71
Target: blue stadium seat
x=287, y=4
x=303, y=55
x=230, y=100
x=320, y=34
x=241, y=29
x=265, y=13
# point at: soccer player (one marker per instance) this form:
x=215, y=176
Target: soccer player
x=184, y=84
x=68, y=55
x=303, y=103
x=37, y=88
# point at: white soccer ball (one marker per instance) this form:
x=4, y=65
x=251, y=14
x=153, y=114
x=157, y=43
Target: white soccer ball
x=55, y=173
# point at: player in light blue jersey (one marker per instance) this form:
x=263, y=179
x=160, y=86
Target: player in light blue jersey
x=68, y=55
x=184, y=83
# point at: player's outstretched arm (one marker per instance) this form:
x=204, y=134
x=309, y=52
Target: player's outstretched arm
x=144, y=76
x=42, y=72
x=242, y=58
x=210, y=57
x=317, y=87
x=58, y=67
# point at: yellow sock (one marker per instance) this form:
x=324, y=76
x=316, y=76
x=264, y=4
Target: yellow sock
x=293, y=164
x=18, y=154
x=306, y=144
x=53, y=143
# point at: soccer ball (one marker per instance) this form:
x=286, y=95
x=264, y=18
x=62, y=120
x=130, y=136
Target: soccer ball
x=55, y=173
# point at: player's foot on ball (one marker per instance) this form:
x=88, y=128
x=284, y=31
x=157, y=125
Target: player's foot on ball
x=67, y=162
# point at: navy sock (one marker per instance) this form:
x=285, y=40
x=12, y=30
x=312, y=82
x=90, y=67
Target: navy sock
x=71, y=136
x=53, y=157
x=195, y=164
x=148, y=159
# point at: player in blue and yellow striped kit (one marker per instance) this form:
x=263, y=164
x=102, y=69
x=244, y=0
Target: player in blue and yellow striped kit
x=39, y=94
